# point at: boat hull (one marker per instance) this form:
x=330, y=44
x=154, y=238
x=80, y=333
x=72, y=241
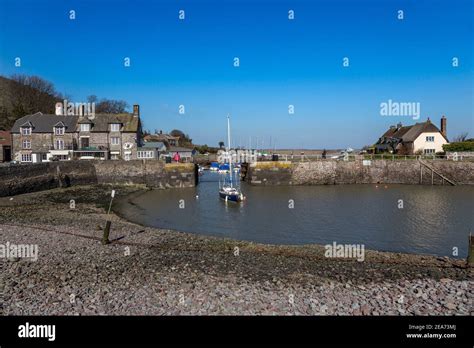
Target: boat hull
x=230, y=197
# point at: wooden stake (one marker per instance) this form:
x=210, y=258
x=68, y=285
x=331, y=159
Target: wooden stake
x=470, y=255
x=105, y=237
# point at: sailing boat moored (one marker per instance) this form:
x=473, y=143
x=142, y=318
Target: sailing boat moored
x=227, y=191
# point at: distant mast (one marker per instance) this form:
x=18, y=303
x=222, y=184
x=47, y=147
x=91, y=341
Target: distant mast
x=228, y=148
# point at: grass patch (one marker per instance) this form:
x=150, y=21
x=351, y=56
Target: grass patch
x=273, y=164
x=179, y=166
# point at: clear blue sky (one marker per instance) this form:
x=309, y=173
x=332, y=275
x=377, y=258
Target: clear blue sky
x=283, y=62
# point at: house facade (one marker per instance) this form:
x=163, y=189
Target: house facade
x=151, y=150
x=420, y=138
x=184, y=153
x=5, y=146
x=41, y=138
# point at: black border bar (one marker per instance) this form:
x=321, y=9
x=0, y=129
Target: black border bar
x=193, y=330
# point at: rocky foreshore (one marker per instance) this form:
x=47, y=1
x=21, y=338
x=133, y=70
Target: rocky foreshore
x=149, y=271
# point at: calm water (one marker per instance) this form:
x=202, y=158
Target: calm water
x=434, y=219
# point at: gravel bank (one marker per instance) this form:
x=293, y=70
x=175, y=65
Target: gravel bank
x=162, y=272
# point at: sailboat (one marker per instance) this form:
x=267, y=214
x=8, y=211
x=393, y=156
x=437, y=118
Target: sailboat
x=227, y=191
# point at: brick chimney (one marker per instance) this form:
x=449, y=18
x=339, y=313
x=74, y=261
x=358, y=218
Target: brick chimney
x=136, y=110
x=443, y=127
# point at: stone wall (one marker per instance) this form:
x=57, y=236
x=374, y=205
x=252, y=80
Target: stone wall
x=154, y=174
x=355, y=172
x=17, y=179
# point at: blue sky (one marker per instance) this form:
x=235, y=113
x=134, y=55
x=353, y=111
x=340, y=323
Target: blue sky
x=282, y=62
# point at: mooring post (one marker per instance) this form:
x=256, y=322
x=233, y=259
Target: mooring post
x=421, y=174
x=470, y=252
x=58, y=175
x=105, y=237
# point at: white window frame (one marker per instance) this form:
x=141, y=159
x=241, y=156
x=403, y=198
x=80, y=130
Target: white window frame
x=113, y=142
x=58, y=130
x=429, y=151
x=57, y=146
x=115, y=127
x=25, y=130
x=26, y=157
x=430, y=138
x=85, y=127
x=145, y=154
x=26, y=144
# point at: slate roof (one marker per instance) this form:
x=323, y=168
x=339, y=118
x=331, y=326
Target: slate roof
x=179, y=149
x=154, y=145
x=100, y=123
x=44, y=123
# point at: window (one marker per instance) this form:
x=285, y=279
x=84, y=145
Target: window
x=58, y=130
x=115, y=127
x=26, y=131
x=26, y=157
x=115, y=140
x=429, y=151
x=59, y=144
x=114, y=157
x=145, y=154
x=26, y=144
x=44, y=156
x=430, y=138
x=85, y=127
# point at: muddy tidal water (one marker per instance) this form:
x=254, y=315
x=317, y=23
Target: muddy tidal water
x=399, y=218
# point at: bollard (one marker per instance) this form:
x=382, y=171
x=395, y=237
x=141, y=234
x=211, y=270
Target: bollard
x=470, y=251
x=105, y=238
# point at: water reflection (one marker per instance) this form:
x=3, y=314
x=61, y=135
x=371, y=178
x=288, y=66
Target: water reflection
x=433, y=219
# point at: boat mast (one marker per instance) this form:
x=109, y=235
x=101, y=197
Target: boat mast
x=228, y=148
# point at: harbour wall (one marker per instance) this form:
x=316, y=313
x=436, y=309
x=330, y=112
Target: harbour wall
x=330, y=172
x=24, y=178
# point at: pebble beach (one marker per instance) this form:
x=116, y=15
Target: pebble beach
x=150, y=271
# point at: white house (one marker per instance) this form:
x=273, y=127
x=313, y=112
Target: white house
x=422, y=137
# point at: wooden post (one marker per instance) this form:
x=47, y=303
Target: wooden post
x=432, y=176
x=105, y=237
x=58, y=175
x=421, y=173
x=470, y=255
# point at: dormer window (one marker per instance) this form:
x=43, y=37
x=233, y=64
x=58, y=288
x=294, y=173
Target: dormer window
x=115, y=127
x=25, y=130
x=58, y=130
x=85, y=127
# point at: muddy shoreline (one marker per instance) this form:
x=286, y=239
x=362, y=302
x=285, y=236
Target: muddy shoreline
x=163, y=272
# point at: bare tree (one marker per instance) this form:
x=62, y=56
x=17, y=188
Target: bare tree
x=108, y=106
x=460, y=138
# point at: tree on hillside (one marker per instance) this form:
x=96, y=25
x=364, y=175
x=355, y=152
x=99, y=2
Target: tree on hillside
x=221, y=144
x=22, y=95
x=108, y=106
x=35, y=82
x=184, y=139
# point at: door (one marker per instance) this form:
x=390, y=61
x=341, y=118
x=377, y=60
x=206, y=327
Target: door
x=84, y=142
x=7, y=154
